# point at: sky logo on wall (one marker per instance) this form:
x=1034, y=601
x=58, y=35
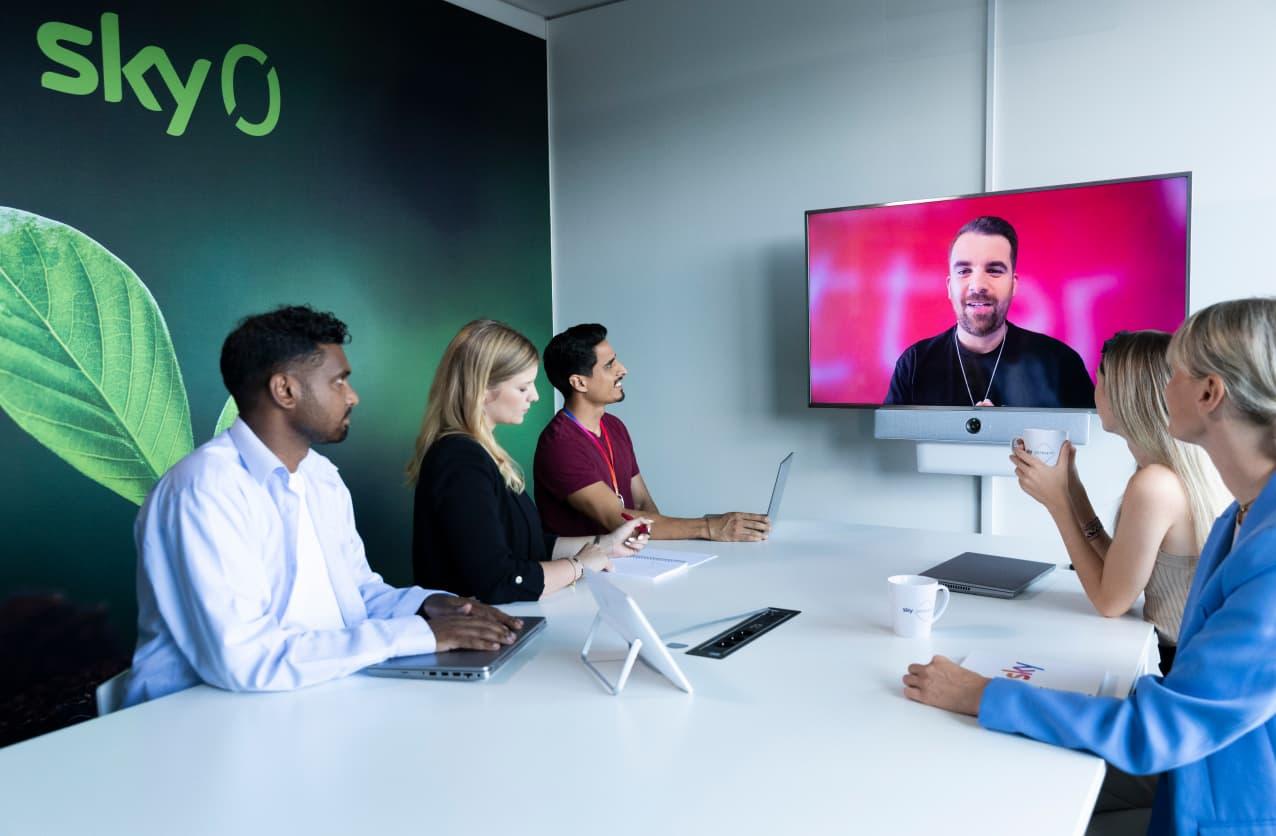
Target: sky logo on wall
x=56, y=40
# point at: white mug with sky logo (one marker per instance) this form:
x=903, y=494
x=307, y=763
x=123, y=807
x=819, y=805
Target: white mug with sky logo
x=916, y=603
x=1045, y=444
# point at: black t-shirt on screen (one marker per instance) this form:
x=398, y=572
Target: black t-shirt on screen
x=1034, y=371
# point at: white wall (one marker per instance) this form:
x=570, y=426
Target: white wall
x=1091, y=90
x=686, y=141
x=688, y=138
x=1103, y=89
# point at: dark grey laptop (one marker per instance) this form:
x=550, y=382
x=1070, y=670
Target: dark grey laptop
x=988, y=574
x=459, y=664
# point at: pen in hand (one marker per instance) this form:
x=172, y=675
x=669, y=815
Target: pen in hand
x=642, y=529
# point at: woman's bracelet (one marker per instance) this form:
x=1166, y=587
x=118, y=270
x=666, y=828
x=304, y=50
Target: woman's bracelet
x=578, y=571
x=1092, y=529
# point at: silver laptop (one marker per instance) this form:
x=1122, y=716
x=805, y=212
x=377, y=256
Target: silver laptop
x=459, y=664
x=777, y=492
x=988, y=574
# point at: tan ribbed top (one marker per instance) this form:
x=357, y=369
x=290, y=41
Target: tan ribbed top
x=1166, y=594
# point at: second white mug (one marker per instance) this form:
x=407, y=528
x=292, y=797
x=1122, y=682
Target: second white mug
x=917, y=602
x=1042, y=443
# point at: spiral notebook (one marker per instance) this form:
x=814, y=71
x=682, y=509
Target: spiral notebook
x=657, y=564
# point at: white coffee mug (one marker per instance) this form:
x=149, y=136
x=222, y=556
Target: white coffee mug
x=1042, y=443
x=913, y=604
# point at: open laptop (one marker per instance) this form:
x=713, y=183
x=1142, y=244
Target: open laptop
x=459, y=664
x=777, y=492
x=988, y=574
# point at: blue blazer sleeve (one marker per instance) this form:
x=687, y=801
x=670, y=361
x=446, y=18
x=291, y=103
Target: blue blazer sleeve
x=1222, y=686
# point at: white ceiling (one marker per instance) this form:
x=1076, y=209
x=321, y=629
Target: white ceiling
x=550, y=9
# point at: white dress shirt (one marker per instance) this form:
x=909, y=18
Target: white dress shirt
x=312, y=605
x=217, y=563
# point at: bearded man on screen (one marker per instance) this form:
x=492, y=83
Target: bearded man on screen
x=984, y=359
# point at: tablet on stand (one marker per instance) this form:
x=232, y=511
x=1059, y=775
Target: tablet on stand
x=620, y=612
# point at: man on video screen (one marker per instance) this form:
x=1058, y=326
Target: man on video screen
x=984, y=360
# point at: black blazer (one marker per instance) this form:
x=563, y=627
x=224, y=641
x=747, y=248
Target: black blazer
x=470, y=533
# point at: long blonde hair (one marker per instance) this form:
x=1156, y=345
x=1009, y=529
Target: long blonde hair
x=1235, y=340
x=483, y=354
x=1135, y=369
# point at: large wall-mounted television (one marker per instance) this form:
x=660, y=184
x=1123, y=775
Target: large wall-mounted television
x=906, y=310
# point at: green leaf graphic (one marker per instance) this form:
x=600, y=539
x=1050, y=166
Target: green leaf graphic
x=229, y=413
x=86, y=362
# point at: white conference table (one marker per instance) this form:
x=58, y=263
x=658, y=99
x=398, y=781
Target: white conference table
x=804, y=730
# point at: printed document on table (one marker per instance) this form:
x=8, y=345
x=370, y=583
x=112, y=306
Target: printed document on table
x=1033, y=670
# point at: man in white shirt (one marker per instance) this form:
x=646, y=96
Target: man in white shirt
x=251, y=575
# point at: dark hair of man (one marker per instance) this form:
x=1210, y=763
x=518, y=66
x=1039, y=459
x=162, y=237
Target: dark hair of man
x=991, y=225
x=268, y=343
x=572, y=352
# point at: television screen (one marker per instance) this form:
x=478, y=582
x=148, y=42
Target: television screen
x=1000, y=299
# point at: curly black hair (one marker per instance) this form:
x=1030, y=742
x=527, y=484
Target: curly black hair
x=264, y=344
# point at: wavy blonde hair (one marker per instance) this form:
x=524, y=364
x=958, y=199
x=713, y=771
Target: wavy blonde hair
x=1235, y=340
x=483, y=354
x=1136, y=367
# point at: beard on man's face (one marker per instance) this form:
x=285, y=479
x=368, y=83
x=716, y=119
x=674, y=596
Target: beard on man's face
x=317, y=434
x=609, y=393
x=315, y=425
x=341, y=433
x=981, y=322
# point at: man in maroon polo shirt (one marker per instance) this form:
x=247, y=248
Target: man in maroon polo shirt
x=585, y=469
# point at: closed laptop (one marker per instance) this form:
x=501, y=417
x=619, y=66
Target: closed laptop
x=459, y=664
x=988, y=574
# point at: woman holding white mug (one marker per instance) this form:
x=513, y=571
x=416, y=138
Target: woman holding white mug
x=1210, y=724
x=1169, y=503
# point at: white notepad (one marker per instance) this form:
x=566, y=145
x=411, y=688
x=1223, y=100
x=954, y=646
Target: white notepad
x=1044, y=673
x=657, y=564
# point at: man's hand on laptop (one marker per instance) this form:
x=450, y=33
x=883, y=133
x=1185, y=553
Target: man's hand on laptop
x=465, y=623
x=738, y=526
x=465, y=632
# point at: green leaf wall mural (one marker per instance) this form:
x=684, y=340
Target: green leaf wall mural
x=87, y=366
x=230, y=411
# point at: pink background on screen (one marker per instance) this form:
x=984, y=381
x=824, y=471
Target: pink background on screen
x=1093, y=260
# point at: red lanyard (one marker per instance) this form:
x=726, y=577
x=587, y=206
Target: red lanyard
x=609, y=455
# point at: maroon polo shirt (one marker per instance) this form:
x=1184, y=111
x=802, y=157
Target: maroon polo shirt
x=566, y=461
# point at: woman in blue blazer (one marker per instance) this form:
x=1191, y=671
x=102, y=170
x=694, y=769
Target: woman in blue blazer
x=1210, y=725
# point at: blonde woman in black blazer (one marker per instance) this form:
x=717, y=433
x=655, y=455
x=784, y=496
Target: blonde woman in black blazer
x=473, y=523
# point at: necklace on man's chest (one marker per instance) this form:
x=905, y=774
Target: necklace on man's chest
x=996, y=364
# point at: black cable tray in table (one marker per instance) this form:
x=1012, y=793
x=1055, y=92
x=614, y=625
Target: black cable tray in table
x=734, y=638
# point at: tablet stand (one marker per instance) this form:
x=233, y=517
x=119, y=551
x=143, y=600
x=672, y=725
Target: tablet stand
x=630, y=658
